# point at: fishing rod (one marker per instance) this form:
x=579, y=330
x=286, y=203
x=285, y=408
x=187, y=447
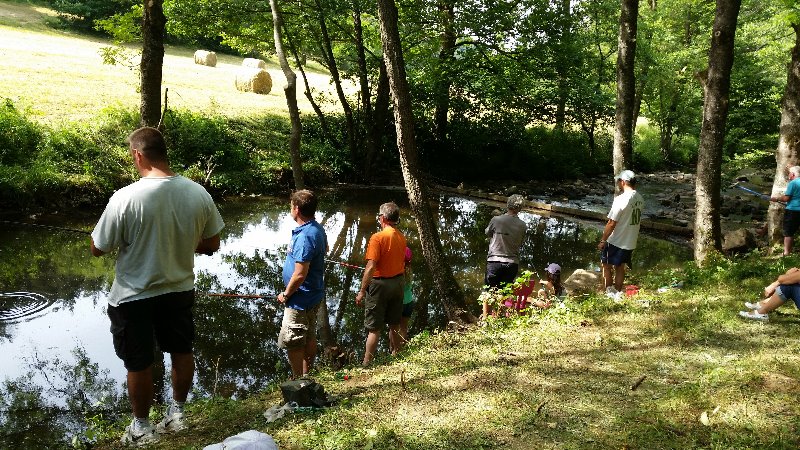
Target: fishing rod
x=758, y=194
x=72, y=230
x=333, y=261
x=352, y=266
x=75, y=230
x=764, y=196
x=213, y=294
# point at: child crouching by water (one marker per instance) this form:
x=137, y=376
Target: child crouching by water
x=551, y=287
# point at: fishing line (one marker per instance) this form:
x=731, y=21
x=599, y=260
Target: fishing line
x=213, y=294
x=72, y=230
x=352, y=266
x=281, y=253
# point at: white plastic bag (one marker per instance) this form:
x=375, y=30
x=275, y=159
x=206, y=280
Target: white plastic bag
x=247, y=440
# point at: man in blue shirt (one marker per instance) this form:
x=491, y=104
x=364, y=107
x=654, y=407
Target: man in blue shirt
x=305, y=288
x=791, y=216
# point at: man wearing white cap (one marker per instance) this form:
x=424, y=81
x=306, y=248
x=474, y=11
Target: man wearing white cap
x=621, y=232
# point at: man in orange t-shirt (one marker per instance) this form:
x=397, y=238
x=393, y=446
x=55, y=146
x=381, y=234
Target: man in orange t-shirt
x=382, y=283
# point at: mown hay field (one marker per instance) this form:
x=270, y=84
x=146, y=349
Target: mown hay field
x=58, y=76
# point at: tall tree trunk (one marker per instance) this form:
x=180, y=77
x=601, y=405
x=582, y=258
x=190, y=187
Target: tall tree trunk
x=665, y=141
x=562, y=64
x=707, y=233
x=290, y=90
x=639, y=95
x=447, y=288
x=323, y=121
x=589, y=126
x=645, y=70
x=447, y=41
x=363, y=72
x=153, y=25
x=372, y=140
x=379, y=121
x=327, y=53
x=626, y=85
x=667, y=128
x=788, y=151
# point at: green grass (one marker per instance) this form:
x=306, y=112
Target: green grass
x=60, y=77
x=563, y=378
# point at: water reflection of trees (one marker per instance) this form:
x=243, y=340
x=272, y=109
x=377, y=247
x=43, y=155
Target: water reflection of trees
x=56, y=265
x=76, y=397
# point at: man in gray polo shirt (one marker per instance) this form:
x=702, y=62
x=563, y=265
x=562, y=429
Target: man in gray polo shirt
x=506, y=233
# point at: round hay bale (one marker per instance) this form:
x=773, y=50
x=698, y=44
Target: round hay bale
x=254, y=63
x=205, y=58
x=249, y=79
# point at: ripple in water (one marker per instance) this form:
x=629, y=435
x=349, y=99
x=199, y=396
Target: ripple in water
x=18, y=305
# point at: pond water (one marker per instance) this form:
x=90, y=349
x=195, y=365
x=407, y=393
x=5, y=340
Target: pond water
x=55, y=345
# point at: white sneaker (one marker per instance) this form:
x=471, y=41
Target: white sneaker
x=137, y=436
x=173, y=420
x=749, y=305
x=611, y=292
x=754, y=315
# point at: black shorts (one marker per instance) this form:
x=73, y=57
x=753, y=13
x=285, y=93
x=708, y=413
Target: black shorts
x=791, y=222
x=139, y=325
x=499, y=273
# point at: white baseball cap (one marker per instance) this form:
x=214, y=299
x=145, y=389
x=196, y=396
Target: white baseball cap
x=625, y=175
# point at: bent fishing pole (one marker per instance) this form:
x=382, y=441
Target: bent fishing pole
x=51, y=227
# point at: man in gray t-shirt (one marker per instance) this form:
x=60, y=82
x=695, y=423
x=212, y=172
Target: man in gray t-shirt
x=506, y=233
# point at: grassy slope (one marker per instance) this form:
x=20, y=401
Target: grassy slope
x=561, y=379
x=59, y=76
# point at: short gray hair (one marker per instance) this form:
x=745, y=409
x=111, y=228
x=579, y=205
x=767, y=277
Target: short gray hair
x=795, y=170
x=515, y=202
x=390, y=211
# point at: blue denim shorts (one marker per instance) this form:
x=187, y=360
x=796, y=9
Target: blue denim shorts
x=789, y=292
x=611, y=254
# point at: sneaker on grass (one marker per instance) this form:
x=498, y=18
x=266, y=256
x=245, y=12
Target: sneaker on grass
x=749, y=305
x=611, y=292
x=136, y=434
x=173, y=420
x=754, y=315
